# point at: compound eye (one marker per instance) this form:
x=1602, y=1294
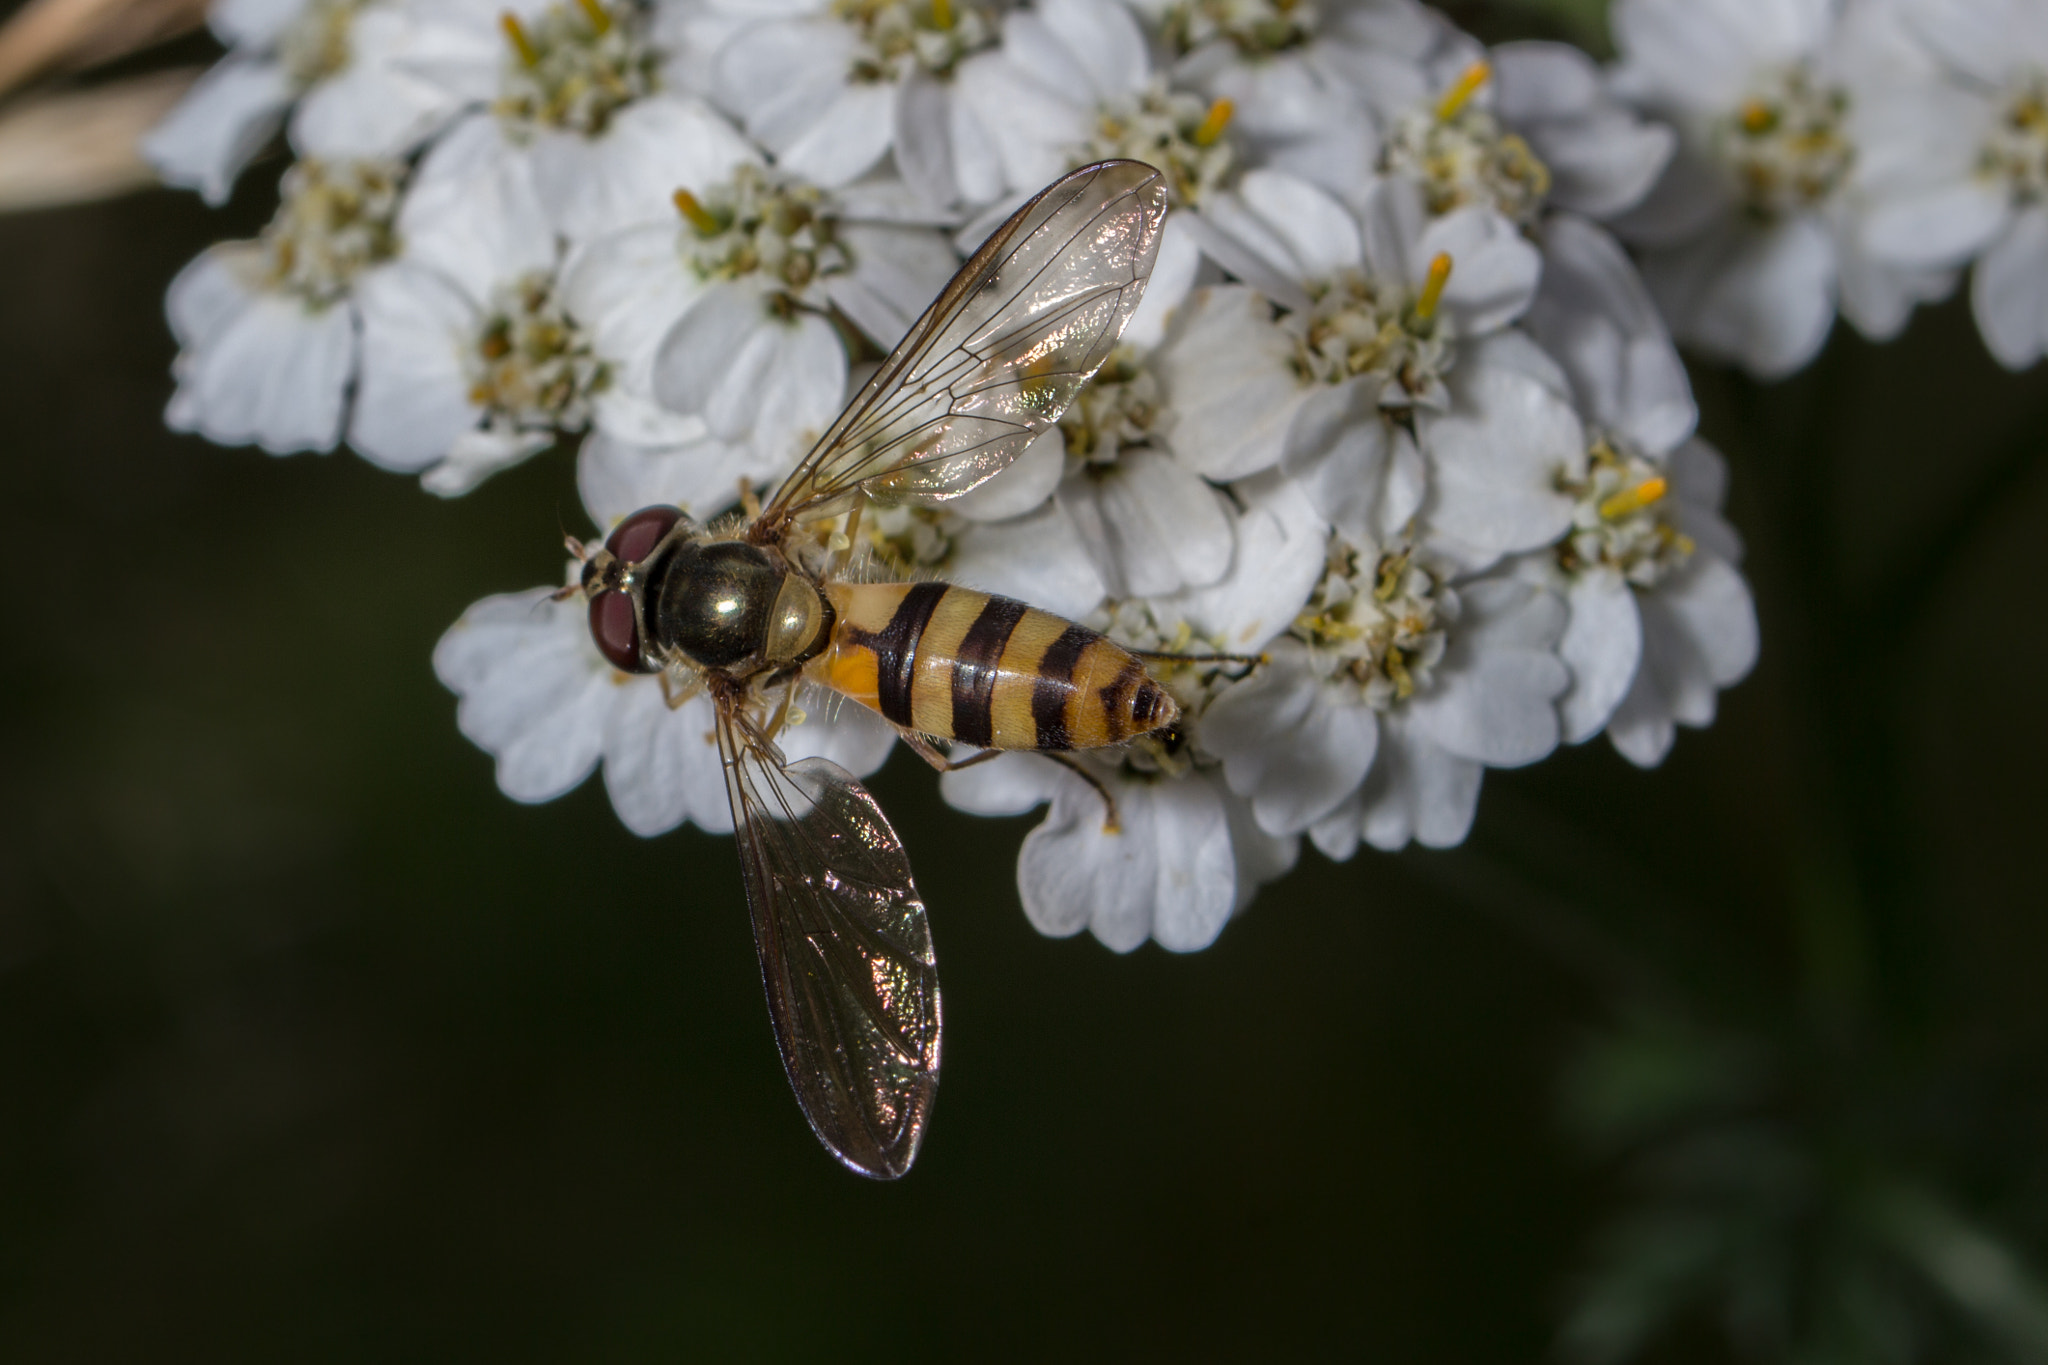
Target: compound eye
x=633, y=539
x=616, y=632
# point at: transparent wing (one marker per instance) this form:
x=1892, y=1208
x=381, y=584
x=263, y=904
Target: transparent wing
x=999, y=354
x=846, y=953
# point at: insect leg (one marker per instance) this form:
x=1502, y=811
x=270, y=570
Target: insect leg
x=860, y=504
x=750, y=501
x=925, y=750
x=674, y=693
x=1244, y=662
x=1110, y=823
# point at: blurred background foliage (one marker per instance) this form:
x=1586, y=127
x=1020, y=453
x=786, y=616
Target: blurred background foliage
x=314, y=1047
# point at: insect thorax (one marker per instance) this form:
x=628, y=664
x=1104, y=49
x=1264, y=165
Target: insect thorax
x=728, y=605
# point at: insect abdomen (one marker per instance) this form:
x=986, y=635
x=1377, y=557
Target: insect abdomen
x=989, y=671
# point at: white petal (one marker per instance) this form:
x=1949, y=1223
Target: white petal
x=897, y=272
x=1035, y=558
x=473, y=212
x=275, y=375
x=771, y=381
x=1496, y=458
x=214, y=288
x=853, y=134
x=1594, y=314
x=661, y=765
x=412, y=399
x=1494, y=268
x=1942, y=224
x=627, y=289
x=474, y=456
x=1878, y=296
x=782, y=76
x=533, y=690
x=1340, y=448
x=379, y=104
x=1230, y=374
x=1104, y=40
x=618, y=476
x=2009, y=291
x=1417, y=790
x=1763, y=297
x=1710, y=603
x=225, y=119
x=850, y=735
x=629, y=173
x=1021, y=488
x=1281, y=544
x=1074, y=875
x=1197, y=887
x=1260, y=857
x=1319, y=237
x=1601, y=646
x=1494, y=692
x=1150, y=524
x=1288, y=743
x=1010, y=785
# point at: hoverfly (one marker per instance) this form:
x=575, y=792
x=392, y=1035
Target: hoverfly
x=750, y=607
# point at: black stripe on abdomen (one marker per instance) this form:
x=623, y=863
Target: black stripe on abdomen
x=1054, y=684
x=977, y=666
x=895, y=647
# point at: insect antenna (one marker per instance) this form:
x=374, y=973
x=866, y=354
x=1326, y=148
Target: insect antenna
x=1244, y=663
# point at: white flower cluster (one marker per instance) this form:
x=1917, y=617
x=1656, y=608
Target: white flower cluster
x=1841, y=153
x=1398, y=412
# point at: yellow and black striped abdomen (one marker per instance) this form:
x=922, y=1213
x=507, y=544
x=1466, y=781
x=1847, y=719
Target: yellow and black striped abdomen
x=959, y=664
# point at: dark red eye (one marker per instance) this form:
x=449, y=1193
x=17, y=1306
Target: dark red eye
x=634, y=538
x=616, y=633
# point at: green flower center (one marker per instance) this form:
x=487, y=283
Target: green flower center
x=336, y=219
x=531, y=366
x=1256, y=28
x=751, y=225
x=316, y=44
x=2017, y=150
x=1785, y=145
x=896, y=35
x=1377, y=622
x=1179, y=133
x=576, y=66
x=1620, y=519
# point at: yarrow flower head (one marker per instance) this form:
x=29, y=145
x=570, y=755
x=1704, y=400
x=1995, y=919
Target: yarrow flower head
x=268, y=329
x=1960, y=164
x=1460, y=153
x=1753, y=234
x=336, y=220
x=1394, y=449
x=532, y=366
x=575, y=66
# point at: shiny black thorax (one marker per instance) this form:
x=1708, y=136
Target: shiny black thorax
x=711, y=600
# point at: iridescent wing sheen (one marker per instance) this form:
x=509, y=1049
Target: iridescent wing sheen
x=999, y=354
x=846, y=952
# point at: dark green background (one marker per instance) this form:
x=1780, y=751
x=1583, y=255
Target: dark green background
x=313, y=1046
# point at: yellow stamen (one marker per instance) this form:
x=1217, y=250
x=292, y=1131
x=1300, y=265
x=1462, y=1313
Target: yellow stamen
x=1758, y=117
x=1462, y=90
x=1433, y=287
x=599, y=17
x=1634, y=499
x=521, y=44
x=1213, y=123
x=942, y=14
x=700, y=217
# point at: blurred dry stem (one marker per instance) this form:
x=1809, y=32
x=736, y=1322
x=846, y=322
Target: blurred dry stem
x=47, y=37
x=80, y=145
